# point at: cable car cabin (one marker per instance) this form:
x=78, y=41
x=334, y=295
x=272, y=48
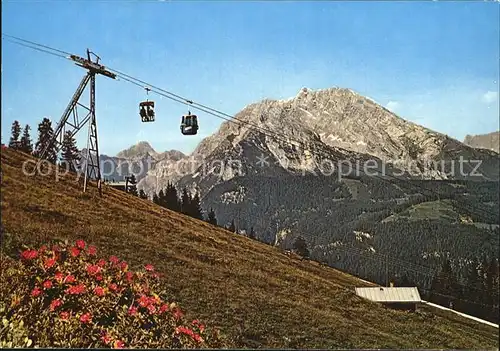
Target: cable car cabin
x=147, y=111
x=189, y=124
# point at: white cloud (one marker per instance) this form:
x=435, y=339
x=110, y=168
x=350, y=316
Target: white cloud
x=393, y=105
x=490, y=97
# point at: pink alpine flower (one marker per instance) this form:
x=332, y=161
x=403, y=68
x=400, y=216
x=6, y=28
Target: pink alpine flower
x=55, y=303
x=69, y=279
x=93, y=269
x=92, y=250
x=74, y=251
x=75, y=290
x=129, y=276
x=151, y=309
x=50, y=262
x=36, y=292
x=163, y=308
x=118, y=344
x=114, y=260
x=132, y=310
x=29, y=254
x=80, y=244
x=59, y=277
x=106, y=338
x=86, y=318
x=99, y=291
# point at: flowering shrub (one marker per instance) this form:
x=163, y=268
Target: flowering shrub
x=65, y=296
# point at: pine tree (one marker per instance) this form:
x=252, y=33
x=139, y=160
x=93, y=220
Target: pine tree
x=171, y=198
x=473, y=294
x=161, y=199
x=70, y=155
x=132, y=185
x=195, y=207
x=25, y=145
x=156, y=199
x=252, y=234
x=143, y=195
x=45, y=133
x=300, y=246
x=232, y=227
x=211, y=217
x=14, y=142
x=404, y=281
x=444, y=286
x=492, y=282
x=185, y=202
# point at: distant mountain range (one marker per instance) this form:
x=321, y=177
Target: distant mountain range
x=138, y=159
x=490, y=141
x=340, y=170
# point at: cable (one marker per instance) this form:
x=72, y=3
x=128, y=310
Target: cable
x=36, y=48
x=274, y=135
x=219, y=114
x=36, y=44
x=233, y=119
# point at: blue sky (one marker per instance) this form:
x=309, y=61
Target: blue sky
x=434, y=63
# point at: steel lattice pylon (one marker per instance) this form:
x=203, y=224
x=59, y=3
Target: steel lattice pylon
x=91, y=163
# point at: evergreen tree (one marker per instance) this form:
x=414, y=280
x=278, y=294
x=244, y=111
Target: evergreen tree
x=14, y=142
x=211, y=217
x=195, y=207
x=161, y=199
x=132, y=185
x=45, y=133
x=252, y=234
x=444, y=286
x=143, y=195
x=171, y=198
x=404, y=281
x=156, y=199
x=492, y=282
x=300, y=246
x=185, y=202
x=69, y=152
x=25, y=145
x=232, y=227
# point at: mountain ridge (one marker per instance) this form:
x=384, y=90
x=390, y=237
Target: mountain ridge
x=338, y=118
x=490, y=141
x=256, y=295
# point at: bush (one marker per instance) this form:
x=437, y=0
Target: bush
x=66, y=296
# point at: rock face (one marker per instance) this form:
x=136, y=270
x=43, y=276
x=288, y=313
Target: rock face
x=332, y=166
x=138, y=159
x=139, y=150
x=489, y=141
x=315, y=129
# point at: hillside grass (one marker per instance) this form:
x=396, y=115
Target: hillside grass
x=258, y=296
x=429, y=210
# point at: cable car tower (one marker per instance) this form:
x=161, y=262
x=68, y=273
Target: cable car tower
x=76, y=123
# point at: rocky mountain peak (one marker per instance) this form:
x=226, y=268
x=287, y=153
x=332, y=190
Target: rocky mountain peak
x=490, y=141
x=293, y=130
x=139, y=150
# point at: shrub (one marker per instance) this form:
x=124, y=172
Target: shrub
x=65, y=296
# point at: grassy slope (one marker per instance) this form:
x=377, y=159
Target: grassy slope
x=257, y=295
x=428, y=210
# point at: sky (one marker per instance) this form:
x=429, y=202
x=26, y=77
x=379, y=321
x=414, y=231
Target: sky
x=434, y=63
